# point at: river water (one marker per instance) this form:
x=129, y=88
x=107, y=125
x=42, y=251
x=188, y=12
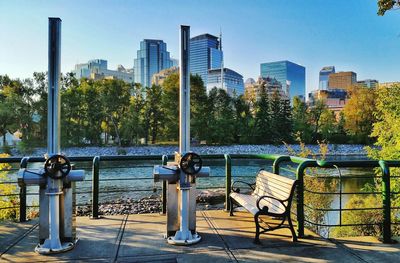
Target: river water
x=133, y=179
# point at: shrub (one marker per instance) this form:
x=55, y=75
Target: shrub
x=7, y=189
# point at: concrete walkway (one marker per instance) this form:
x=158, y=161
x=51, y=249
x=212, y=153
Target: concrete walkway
x=139, y=238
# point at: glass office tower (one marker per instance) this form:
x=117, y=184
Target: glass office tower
x=290, y=75
x=152, y=57
x=205, y=54
x=233, y=81
x=324, y=77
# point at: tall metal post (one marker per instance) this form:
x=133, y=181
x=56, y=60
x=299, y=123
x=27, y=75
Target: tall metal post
x=228, y=181
x=54, y=186
x=53, y=102
x=184, y=91
x=387, y=228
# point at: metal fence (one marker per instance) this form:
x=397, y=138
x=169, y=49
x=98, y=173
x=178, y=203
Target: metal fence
x=279, y=164
x=302, y=164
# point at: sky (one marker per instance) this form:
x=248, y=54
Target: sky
x=347, y=34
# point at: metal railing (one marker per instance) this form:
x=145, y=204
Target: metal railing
x=278, y=161
x=95, y=179
x=304, y=163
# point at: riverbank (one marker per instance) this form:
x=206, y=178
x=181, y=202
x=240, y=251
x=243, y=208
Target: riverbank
x=333, y=149
x=206, y=200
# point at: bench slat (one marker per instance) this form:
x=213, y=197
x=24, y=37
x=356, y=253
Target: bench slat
x=267, y=184
x=273, y=190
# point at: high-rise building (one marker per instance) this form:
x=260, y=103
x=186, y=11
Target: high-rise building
x=368, y=83
x=324, y=77
x=97, y=69
x=233, y=81
x=175, y=62
x=291, y=76
x=270, y=85
x=334, y=99
x=159, y=78
x=152, y=57
x=342, y=80
x=205, y=54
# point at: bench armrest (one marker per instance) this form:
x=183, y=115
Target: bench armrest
x=270, y=197
x=237, y=189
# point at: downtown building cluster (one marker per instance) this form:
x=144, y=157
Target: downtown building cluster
x=333, y=88
x=153, y=63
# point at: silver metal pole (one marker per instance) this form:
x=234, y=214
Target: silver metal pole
x=184, y=93
x=54, y=75
x=54, y=186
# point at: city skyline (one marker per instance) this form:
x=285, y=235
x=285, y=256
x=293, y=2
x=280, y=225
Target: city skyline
x=349, y=36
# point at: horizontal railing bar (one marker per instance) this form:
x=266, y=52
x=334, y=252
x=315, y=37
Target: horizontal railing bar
x=338, y=225
x=343, y=176
x=343, y=209
x=338, y=193
x=9, y=182
x=9, y=207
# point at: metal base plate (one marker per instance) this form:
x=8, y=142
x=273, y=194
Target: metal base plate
x=65, y=246
x=184, y=242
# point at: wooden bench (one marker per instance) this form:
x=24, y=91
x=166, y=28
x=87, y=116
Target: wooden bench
x=271, y=195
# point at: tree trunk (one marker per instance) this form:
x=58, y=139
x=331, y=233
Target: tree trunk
x=116, y=130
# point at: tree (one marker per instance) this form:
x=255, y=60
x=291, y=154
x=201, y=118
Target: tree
x=244, y=121
x=328, y=124
x=14, y=106
x=280, y=118
x=315, y=114
x=40, y=105
x=115, y=97
x=153, y=114
x=198, y=108
x=220, y=121
x=170, y=107
x=386, y=129
x=385, y=5
x=300, y=116
x=132, y=123
x=359, y=112
x=262, y=118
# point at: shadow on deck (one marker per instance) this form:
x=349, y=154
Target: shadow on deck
x=139, y=238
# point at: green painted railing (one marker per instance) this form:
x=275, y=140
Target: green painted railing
x=278, y=161
x=304, y=163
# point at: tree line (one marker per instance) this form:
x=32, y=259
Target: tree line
x=100, y=112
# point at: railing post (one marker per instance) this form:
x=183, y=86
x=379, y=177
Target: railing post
x=228, y=180
x=277, y=162
x=95, y=187
x=164, y=188
x=387, y=229
x=300, y=199
x=22, y=192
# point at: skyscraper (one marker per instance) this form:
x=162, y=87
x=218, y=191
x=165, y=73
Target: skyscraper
x=97, y=69
x=342, y=80
x=152, y=57
x=232, y=84
x=291, y=76
x=324, y=77
x=205, y=54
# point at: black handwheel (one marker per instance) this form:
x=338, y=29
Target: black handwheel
x=191, y=163
x=57, y=163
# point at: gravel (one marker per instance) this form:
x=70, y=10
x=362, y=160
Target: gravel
x=333, y=149
x=206, y=200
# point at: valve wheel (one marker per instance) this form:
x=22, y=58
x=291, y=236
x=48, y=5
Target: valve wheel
x=191, y=163
x=57, y=166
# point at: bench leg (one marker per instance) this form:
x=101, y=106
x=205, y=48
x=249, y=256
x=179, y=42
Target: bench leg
x=230, y=206
x=294, y=236
x=257, y=237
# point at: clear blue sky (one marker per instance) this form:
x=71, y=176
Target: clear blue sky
x=314, y=33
